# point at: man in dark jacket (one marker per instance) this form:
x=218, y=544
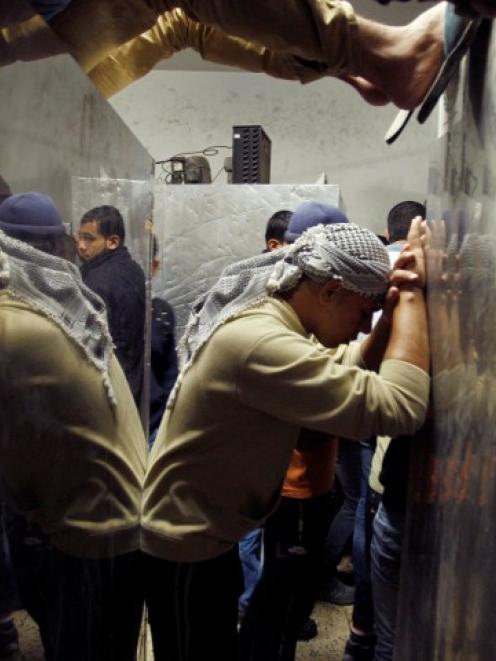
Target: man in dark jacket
x=164, y=366
x=110, y=272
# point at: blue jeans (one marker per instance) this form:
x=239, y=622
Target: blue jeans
x=361, y=555
x=385, y=568
x=363, y=608
x=349, y=474
x=249, y=553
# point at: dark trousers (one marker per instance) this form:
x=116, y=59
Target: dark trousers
x=86, y=610
x=193, y=607
x=8, y=592
x=363, y=608
x=285, y=594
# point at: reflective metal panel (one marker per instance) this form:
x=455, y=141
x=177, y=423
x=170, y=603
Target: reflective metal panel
x=134, y=199
x=56, y=126
x=202, y=229
x=447, y=600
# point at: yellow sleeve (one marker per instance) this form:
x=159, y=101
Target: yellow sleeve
x=324, y=31
x=174, y=32
x=294, y=380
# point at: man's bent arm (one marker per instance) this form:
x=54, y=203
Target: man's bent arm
x=408, y=339
x=325, y=32
x=173, y=32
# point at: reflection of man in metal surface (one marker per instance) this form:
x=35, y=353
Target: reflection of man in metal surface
x=72, y=451
x=163, y=368
x=388, y=523
x=252, y=378
x=110, y=271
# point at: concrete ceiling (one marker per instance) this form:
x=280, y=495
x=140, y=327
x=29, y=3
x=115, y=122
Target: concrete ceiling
x=396, y=13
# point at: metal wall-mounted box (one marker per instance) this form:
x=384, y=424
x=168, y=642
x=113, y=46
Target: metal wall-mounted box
x=251, y=155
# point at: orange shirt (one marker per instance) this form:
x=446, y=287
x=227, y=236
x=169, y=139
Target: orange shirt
x=311, y=469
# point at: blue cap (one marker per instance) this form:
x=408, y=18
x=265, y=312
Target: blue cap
x=310, y=214
x=30, y=215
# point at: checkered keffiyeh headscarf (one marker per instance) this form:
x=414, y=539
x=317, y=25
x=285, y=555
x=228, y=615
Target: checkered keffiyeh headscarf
x=343, y=251
x=346, y=252
x=53, y=286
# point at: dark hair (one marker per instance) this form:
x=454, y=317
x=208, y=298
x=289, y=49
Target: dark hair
x=61, y=245
x=108, y=220
x=400, y=217
x=277, y=225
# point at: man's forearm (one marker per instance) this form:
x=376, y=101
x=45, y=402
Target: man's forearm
x=374, y=346
x=409, y=339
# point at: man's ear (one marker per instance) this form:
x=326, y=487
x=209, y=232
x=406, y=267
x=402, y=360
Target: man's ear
x=328, y=289
x=274, y=244
x=113, y=242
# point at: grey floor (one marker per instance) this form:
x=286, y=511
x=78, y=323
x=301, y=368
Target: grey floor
x=333, y=623
x=29, y=641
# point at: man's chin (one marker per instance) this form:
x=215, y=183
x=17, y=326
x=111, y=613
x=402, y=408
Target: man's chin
x=331, y=344
x=336, y=342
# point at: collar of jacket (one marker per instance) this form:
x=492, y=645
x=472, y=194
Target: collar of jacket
x=120, y=253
